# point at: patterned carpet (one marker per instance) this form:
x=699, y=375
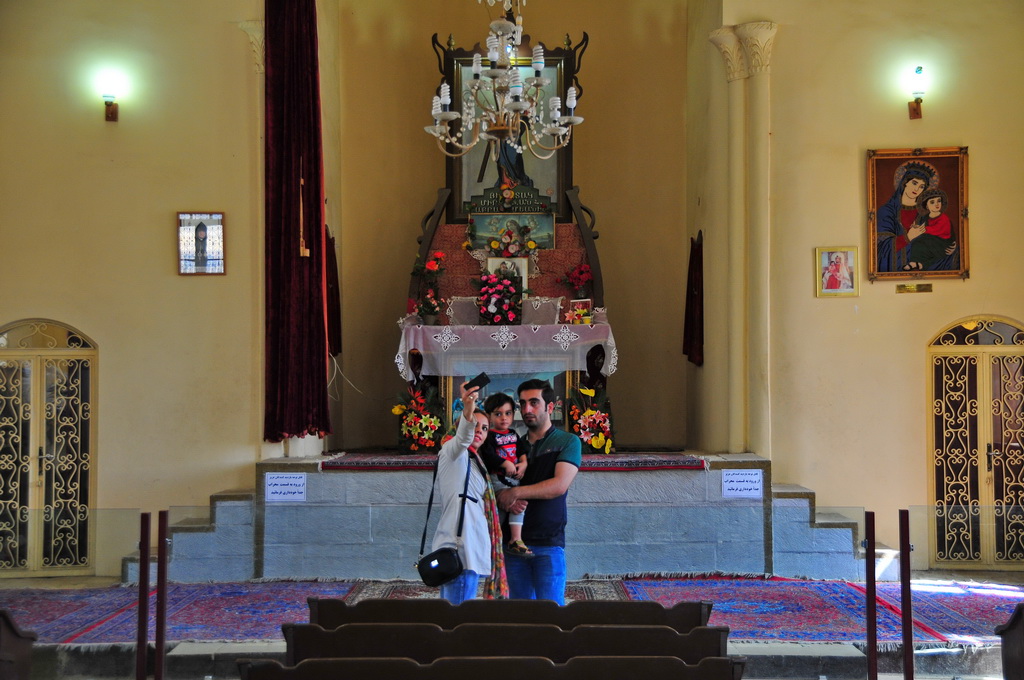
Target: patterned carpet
x=760, y=610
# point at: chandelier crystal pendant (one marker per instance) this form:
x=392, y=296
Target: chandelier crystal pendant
x=499, y=106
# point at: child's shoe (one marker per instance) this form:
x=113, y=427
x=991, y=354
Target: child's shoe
x=519, y=548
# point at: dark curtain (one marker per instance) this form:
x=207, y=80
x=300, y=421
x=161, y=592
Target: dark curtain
x=296, y=311
x=333, y=298
x=693, y=326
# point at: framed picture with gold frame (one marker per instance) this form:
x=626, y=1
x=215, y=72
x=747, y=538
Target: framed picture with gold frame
x=563, y=383
x=835, y=271
x=917, y=213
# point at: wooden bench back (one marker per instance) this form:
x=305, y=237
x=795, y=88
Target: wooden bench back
x=331, y=613
x=491, y=668
x=424, y=642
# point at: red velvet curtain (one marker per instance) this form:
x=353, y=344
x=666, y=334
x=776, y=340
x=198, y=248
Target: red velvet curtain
x=296, y=287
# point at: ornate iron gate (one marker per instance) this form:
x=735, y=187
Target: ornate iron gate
x=977, y=431
x=47, y=376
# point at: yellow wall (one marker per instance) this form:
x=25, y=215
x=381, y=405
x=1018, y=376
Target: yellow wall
x=849, y=382
x=88, y=233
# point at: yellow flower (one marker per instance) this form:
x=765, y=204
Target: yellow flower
x=598, y=441
x=587, y=391
x=398, y=409
x=531, y=244
x=495, y=244
x=589, y=412
x=608, y=447
x=466, y=245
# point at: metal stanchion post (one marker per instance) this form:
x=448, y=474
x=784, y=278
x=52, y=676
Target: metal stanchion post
x=161, y=595
x=906, y=605
x=870, y=601
x=142, y=639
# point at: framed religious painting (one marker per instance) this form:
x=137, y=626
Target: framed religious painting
x=835, y=271
x=495, y=164
x=917, y=213
x=200, y=243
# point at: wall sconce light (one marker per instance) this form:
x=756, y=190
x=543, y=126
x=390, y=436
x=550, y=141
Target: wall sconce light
x=917, y=82
x=111, y=84
x=110, y=108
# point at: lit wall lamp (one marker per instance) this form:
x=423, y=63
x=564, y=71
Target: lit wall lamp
x=918, y=84
x=111, y=84
x=110, y=108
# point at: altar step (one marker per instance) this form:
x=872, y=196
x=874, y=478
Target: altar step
x=367, y=524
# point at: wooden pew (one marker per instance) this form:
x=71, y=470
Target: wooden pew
x=493, y=668
x=331, y=613
x=15, y=649
x=424, y=642
x=1012, y=633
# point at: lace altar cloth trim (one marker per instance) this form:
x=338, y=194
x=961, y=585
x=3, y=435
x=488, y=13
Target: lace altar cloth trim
x=592, y=462
x=465, y=350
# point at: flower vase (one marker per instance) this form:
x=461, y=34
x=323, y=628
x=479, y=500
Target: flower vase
x=430, y=319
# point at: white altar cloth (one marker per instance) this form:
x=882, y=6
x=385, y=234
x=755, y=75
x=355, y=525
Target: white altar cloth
x=467, y=350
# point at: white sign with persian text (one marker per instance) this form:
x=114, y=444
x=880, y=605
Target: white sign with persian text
x=742, y=484
x=285, y=487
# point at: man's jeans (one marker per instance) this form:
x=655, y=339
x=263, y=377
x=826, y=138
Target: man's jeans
x=541, y=577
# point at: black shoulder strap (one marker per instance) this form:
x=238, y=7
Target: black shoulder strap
x=430, y=502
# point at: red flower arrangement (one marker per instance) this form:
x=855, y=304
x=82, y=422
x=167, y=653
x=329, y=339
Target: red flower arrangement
x=578, y=278
x=500, y=300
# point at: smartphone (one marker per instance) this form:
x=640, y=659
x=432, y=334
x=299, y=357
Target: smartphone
x=480, y=381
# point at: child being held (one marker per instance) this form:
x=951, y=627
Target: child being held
x=932, y=245
x=505, y=456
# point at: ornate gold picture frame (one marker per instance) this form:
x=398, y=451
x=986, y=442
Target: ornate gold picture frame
x=917, y=213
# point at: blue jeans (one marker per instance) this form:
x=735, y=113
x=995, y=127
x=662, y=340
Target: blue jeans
x=462, y=588
x=541, y=577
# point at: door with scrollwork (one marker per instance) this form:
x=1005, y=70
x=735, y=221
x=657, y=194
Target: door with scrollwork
x=977, y=433
x=47, y=386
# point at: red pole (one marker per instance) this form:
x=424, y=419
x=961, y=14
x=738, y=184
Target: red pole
x=142, y=639
x=870, y=599
x=161, y=595
x=906, y=605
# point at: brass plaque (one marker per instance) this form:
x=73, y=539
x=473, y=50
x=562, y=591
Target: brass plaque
x=913, y=288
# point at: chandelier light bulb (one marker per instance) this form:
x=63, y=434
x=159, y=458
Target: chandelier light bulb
x=538, y=60
x=435, y=108
x=570, y=100
x=492, y=50
x=446, y=95
x=478, y=66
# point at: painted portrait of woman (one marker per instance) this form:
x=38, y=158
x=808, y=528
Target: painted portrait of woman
x=906, y=235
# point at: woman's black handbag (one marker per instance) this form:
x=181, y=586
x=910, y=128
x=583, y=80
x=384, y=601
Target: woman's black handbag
x=445, y=564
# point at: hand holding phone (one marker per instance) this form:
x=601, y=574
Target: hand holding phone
x=480, y=381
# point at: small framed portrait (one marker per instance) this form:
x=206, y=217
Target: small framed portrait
x=835, y=270
x=200, y=243
x=511, y=267
x=917, y=213
x=580, y=311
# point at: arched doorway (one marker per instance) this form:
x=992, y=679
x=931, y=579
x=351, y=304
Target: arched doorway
x=976, y=432
x=47, y=444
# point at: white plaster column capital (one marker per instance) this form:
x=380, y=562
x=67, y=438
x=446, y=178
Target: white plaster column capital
x=254, y=29
x=758, y=38
x=728, y=44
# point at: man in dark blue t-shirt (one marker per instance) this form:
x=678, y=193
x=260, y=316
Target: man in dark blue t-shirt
x=552, y=463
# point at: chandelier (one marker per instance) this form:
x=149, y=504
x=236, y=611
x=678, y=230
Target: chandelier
x=499, y=105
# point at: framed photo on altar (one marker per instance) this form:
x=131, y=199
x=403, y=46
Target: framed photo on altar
x=511, y=267
x=835, y=271
x=495, y=232
x=200, y=243
x=917, y=213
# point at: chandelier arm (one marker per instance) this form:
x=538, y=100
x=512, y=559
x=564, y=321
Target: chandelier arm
x=529, y=144
x=465, y=149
